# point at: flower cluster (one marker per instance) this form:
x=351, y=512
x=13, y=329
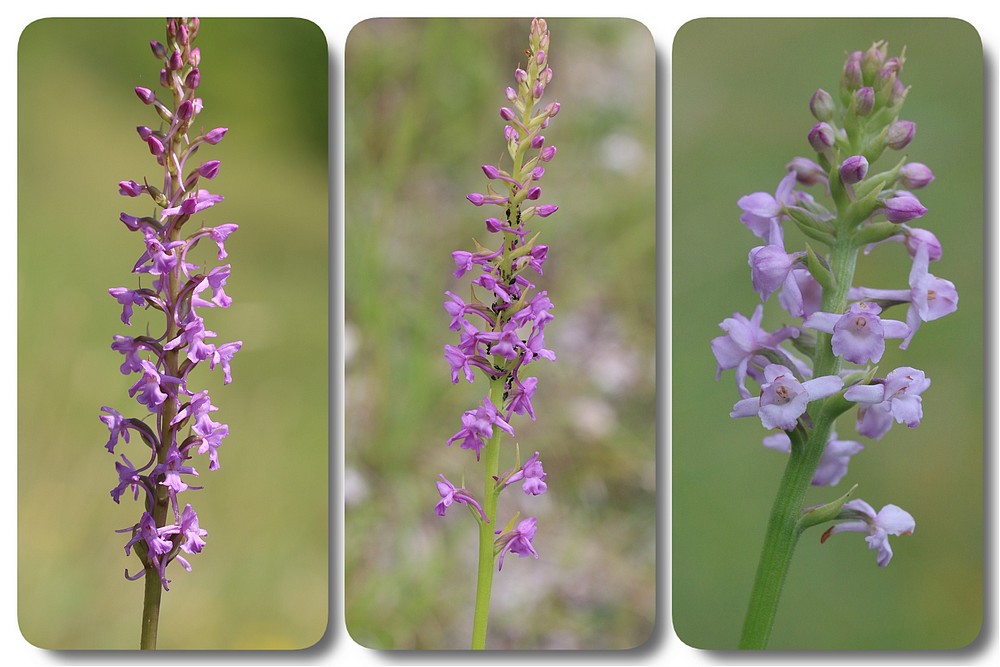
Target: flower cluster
x=502, y=324
x=179, y=422
x=805, y=371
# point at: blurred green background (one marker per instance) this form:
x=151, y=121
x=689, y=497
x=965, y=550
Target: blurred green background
x=740, y=94
x=262, y=580
x=421, y=116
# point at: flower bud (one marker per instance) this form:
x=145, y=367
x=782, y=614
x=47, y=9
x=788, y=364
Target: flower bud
x=545, y=210
x=873, y=58
x=510, y=134
x=897, y=94
x=164, y=78
x=537, y=141
x=540, y=58
x=547, y=153
x=552, y=109
x=520, y=75
x=155, y=145
x=209, y=170
x=806, y=171
x=534, y=192
x=864, y=100
x=914, y=175
x=491, y=171
x=145, y=94
x=538, y=90
x=493, y=225
x=215, y=136
x=185, y=111
x=158, y=49
x=916, y=237
x=129, y=188
x=183, y=37
x=507, y=113
x=194, y=57
x=854, y=169
x=852, y=77
x=903, y=208
x=821, y=137
x=143, y=132
x=900, y=134
x=175, y=62
x=537, y=173
x=193, y=79
x=821, y=105
x=510, y=94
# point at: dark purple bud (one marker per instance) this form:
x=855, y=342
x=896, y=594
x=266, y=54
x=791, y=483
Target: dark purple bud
x=914, y=175
x=545, y=210
x=537, y=173
x=171, y=28
x=900, y=134
x=159, y=50
x=182, y=35
x=176, y=61
x=143, y=131
x=854, y=169
x=537, y=141
x=491, y=171
x=193, y=79
x=864, y=100
x=215, y=136
x=534, y=192
x=507, y=113
x=821, y=137
x=510, y=134
x=130, y=221
x=185, y=110
x=547, y=153
x=164, y=78
x=155, y=145
x=493, y=225
x=903, y=208
x=476, y=198
x=210, y=169
x=821, y=105
x=145, y=94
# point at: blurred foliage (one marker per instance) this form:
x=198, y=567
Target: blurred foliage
x=421, y=116
x=262, y=580
x=740, y=112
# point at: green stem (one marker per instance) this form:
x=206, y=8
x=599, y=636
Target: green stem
x=783, y=525
x=150, y=609
x=487, y=557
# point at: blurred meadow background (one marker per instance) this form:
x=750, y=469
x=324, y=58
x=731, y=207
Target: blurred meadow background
x=740, y=94
x=422, y=100
x=262, y=580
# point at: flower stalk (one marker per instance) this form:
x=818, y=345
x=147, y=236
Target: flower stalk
x=844, y=327
x=178, y=423
x=502, y=326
